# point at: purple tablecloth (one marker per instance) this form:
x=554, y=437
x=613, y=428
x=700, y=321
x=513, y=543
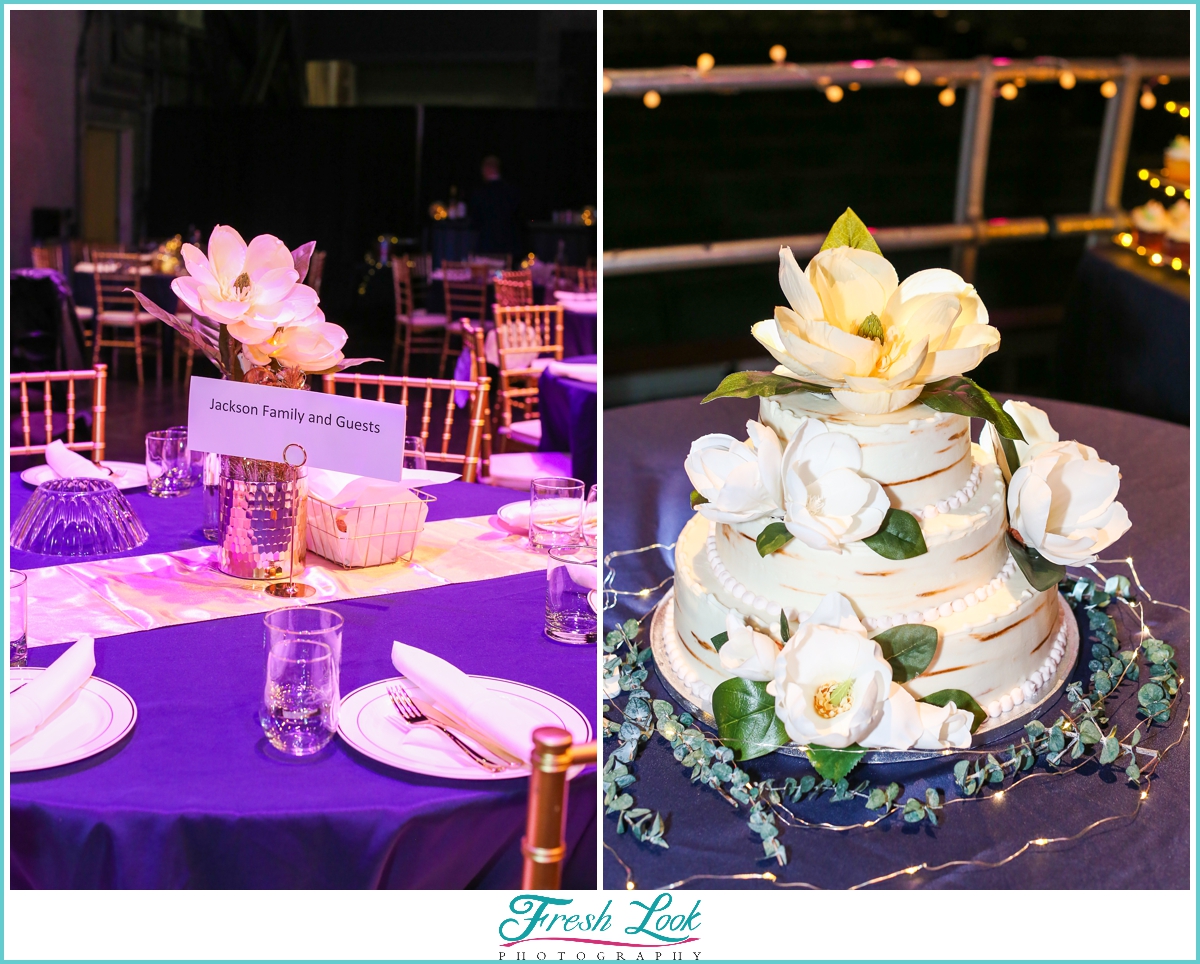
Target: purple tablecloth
x=646, y=501
x=195, y=797
x=579, y=333
x=567, y=409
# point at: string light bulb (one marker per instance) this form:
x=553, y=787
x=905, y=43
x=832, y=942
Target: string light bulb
x=834, y=93
x=1171, y=106
x=778, y=53
x=1066, y=80
x=912, y=76
x=1156, y=259
x=1164, y=79
x=1009, y=91
x=1126, y=239
x=705, y=63
x=1147, y=100
x=1020, y=81
x=1185, y=111
x=652, y=98
x=1143, y=174
x=1108, y=89
x=1169, y=190
x=855, y=85
x=1155, y=182
x=946, y=96
x=1176, y=263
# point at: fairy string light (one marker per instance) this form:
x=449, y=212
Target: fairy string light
x=1134, y=607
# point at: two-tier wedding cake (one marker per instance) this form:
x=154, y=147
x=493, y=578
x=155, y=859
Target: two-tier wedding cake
x=857, y=559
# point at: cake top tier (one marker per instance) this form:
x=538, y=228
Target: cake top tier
x=919, y=456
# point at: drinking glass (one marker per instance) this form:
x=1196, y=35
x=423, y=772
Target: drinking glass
x=555, y=512
x=210, y=478
x=590, y=516
x=167, y=464
x=18, y=609
x=414, y=452
x=315, y=623
x=571, y=588
x=300, y=699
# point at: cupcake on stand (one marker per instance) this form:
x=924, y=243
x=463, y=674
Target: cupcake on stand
x=1177, y=160
x=1151, y=223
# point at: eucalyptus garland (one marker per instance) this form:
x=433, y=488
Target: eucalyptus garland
x=1079, y=732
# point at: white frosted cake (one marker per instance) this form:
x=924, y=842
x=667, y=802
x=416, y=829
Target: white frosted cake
x=853, y=453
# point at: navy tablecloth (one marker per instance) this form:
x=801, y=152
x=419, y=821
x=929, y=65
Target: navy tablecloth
x=156, y=287
x=195, y=797
x=567, y=409
x=579, y=332
x=646, y=501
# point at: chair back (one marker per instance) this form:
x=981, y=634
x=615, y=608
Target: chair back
x=474, y=341
x=543, y=847
x=111, y=294
x=420, y=267
x=316, y=270
x=515, y=292
x=402, y=287
x=465, y=299
x=475, y=271
x=419, y=395
x=98, y=376
x=587, y=280
x=48, y=256
x=525, y=330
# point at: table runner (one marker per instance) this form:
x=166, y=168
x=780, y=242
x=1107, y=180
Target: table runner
x=117, y=596
x=645, y=450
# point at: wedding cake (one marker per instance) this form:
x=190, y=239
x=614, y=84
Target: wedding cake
x=857, y=560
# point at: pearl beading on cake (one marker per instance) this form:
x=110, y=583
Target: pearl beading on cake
x=1029, y=688
x=959, y=499
x=873, y=623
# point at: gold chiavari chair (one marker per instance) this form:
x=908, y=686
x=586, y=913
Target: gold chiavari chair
x=465, y=301
x=98, y=376
x=48, y=256
x=420, y=267
x=474, y=336
x=586, y=280
x=510, y=293
x=474, y=271
x=527, y=338
x=544, y=845
x=417, y=331
x=117, y=309
x=405, y=392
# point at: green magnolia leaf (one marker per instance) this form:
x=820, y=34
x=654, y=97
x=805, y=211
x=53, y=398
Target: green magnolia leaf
x=871, y=328
x=720, y=640
x=746, y=720
x=849, y=231
x=909, y=649
x=697, y=499
x=833, y=764
x=785, y=630
x=774, y=536
x=964, y=701
x=1008, y=449
x=962, y=396
x=899, y=537
x=766, y=384
x=1039, y=571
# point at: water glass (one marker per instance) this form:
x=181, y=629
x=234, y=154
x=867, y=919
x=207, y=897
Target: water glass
x=210, y=478
x=315, y=623
x=591, y=516
x=18, y=608
x=300, y=698
x=572, y=589
x=555, y=512
x=414, y=452
x=167, y=464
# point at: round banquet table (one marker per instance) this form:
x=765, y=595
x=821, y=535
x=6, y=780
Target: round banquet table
x=567, y=408
x=647, y=501
x=579, y=331
x=195, y=797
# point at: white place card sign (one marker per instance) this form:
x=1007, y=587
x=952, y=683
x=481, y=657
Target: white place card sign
x=355, y=435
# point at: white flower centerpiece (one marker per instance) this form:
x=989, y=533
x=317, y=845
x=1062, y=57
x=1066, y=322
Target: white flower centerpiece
x=256, y=321
x=854, y=331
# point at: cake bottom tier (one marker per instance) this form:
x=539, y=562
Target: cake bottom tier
x=1001, y=651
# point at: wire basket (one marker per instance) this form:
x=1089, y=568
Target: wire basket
x=367, y=535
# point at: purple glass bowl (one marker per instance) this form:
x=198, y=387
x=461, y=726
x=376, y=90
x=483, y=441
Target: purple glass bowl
x=77, y=517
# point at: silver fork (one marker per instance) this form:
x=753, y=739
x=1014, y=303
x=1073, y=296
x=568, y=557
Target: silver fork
x=412, y=715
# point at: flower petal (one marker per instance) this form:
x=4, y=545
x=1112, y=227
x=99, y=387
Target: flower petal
x=797, y=288
x=266, y=253
x=226, y=254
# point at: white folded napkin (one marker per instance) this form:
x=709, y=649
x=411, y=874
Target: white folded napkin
x=36, y=701
x=580, y=371
x=72, y=465
x=581, y=575
x=372, y=521
x=469, y=702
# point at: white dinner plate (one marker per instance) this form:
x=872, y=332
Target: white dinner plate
x=95, y=718
x=370, y=724
x=515, y=517
x=125, y=475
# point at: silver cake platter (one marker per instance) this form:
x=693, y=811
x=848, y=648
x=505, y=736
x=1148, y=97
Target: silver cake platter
x=994, y=730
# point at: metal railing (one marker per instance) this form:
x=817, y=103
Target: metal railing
x=970, y=228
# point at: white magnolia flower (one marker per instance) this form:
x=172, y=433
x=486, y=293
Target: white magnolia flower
x=831, y=682
x=826, y=502
x=933, y=325
x=748, y=653
x=312, y=345
x=900, y=726
x=944, y=727
x=1062, y=502
x=253, y=288
x=741, y=480
x=1034, y=425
